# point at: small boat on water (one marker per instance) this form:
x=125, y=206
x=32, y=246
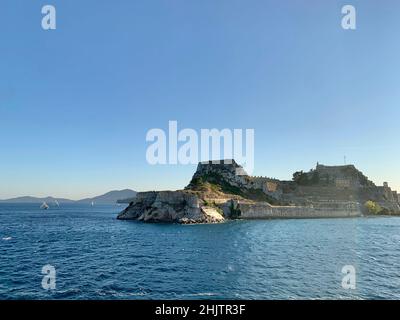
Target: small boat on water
x=56, y=202
x=44, y=206
x=92, y=204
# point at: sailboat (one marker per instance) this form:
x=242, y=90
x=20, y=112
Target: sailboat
x=92, y=204
x=44, y=206
x=56, y=202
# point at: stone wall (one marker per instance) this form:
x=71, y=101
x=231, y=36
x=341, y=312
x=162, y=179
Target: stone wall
x=266, y=211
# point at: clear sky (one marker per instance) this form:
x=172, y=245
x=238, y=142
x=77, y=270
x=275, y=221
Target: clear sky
x=76, y=102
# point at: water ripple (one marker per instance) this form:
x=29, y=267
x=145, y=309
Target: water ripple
x=99, y=257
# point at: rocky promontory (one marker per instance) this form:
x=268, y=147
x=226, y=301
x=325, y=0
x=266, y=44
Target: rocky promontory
x=221, y=191
x=171, y=206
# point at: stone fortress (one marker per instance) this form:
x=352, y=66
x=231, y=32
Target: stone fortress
x=223, y=190
x=323, y=184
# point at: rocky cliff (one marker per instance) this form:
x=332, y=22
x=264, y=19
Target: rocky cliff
x=170, y=206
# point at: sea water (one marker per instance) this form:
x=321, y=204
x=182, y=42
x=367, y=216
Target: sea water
x=96, y=256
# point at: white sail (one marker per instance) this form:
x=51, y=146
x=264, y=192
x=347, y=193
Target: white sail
x=44, y=206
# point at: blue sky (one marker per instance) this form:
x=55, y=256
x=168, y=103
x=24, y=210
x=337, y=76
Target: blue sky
x=76, y=102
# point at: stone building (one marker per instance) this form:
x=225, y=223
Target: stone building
x=343, y=183
x=346, y=176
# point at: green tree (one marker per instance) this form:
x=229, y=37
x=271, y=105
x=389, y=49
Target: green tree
x=300, y=178
x=315, y=178
x=297, y=175
x=373, y=207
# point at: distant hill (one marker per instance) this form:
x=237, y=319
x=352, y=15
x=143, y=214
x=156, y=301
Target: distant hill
x=107, y=198
x=126, y=200
x=28, y=199
x=110, y=197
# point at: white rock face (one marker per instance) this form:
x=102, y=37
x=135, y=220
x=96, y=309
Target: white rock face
x=212, y=214
x=169, y=206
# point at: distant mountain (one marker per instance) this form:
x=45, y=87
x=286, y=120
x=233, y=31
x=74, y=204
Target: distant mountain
x=107, y=198
x=126, y=200
x=28, y=199
x=110, y=197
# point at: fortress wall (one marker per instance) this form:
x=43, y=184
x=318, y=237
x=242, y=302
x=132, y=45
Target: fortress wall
x=266, y=211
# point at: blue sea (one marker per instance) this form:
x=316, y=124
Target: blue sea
x=97, y=256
